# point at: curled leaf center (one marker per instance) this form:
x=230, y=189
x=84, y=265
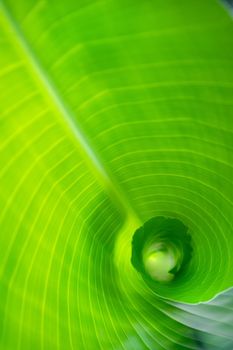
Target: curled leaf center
x=161, y=249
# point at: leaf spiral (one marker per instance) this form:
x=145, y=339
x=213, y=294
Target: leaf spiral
x=115, y=119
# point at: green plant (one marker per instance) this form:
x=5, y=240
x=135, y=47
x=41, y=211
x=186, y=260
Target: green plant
x=112, y=113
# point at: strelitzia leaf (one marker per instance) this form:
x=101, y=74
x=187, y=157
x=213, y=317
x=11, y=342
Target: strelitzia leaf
x=115, y=114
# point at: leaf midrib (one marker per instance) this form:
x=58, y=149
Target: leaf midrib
x=90, y=156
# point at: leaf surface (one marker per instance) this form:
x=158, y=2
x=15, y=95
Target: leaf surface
x=112, y=112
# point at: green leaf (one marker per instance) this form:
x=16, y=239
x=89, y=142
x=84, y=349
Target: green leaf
x=161, y=250
x=111, y=113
